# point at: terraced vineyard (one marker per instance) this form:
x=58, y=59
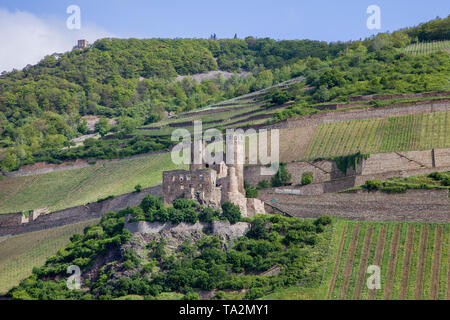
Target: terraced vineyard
x=402, y=133
x=413, y=259
x=64, y=189
x=19, y=254
x=427, y=47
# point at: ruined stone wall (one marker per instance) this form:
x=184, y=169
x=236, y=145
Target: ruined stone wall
x=378, y=165
x=12, y=222
x=397, y=96
x=322, y=171
x=396, y=161
x=179, y=182
x=441, y=157
x=413, y=205
x=10, y=219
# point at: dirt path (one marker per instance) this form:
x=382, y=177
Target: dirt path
x=421, y=262
x=379, y=254
x=407, y=261
x=350, y=259
x=436, y=263
x=392, y=262
x=364, y=260
x=336, y=264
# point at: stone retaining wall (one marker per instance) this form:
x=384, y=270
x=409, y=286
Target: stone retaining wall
x=377, y=166
x=413, y=205
x=12, y=223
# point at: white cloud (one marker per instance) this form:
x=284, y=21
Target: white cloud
x=26, y=38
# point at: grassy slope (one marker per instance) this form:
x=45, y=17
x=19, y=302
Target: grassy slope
x=63, y=189
x=298, y=292
x=19, y=254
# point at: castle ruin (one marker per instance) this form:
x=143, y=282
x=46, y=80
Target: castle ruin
x=212, y=185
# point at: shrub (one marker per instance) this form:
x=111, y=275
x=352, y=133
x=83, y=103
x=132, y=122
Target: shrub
x=282, y=177
x=231, y=212
x=373, y=185
x=280, y=97
x=182, y=203
x=263, y=184
x=208, y=215
x=307, y=178
x=190, y=216
x=138, y=188
x=151, y=202
x=258, y=230
x=323, y=220
x=162, y=215
x=250, y=192
x=394, y=189
x=436, y=176
x=191, y=296
x=176, y=216
x=254, y=293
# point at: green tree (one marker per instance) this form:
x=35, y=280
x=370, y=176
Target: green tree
x=307, y=178
x=282, y=177
x=102, y=126
x=231, y=212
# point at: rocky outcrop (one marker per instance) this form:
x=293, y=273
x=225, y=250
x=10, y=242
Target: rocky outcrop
x=223, y=229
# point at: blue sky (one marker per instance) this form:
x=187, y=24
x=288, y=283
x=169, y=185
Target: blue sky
x=329, y=20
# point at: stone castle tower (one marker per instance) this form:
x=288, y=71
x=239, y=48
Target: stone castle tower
x=213, y=184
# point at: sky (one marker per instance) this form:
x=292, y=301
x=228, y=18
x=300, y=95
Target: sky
x=31, y=29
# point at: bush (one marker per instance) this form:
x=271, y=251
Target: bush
x=176, y=216
x=182, y=203
x=280, y=97
x=138, y=188
x=446, y=181
x=282, y=177
x=151, y=202
x=258, y=230
x=190, y=216
x=231, y=212
x=437, y=176
x=373, y=185
x=394, y=189
x=208, y=215
x=307, y=178
x=191, y=296
x=254, y=293
x=263, y=184
x=250, y=192
x=323, y=220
